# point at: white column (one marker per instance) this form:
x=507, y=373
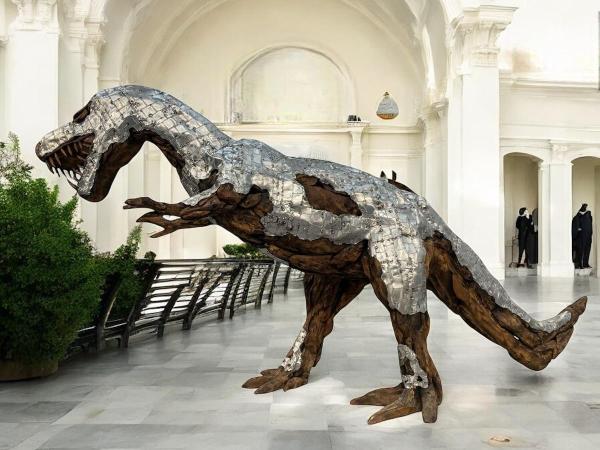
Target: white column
x=474, y=159
x=151, y=189
x=164, y=187
x=82, y=40
x=32, y=76
x=555, y=221
x=356, y=150
x=3, y=42
x=435, y=144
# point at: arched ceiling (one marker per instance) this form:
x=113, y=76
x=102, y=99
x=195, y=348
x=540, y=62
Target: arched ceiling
x=139, y=33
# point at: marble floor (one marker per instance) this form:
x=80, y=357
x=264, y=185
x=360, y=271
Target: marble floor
x=184, y=391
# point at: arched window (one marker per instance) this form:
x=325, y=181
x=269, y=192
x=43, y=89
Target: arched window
x=289, y=84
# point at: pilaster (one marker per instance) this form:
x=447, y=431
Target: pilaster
x=474, y=161
x=434, y=120
x=83, y=39
x=356, y=130
x=555, y=179
x=31, y=62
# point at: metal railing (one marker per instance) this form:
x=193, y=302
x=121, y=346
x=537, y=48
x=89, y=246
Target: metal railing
x=179, y=290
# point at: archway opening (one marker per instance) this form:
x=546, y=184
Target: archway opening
x=521, y=227
x=586, y=190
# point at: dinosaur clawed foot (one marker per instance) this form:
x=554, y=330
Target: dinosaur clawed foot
x=273, y=379
x=399, y=402
x=379, y=397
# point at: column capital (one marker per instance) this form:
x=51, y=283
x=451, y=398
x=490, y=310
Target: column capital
x=559, y=153
x=36, y=15
x=434, y=111
x=474, y=35
x=75, y=13
x=84, y=24
x=93, y=45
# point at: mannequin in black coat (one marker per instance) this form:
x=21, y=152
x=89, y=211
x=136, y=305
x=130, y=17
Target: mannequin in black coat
x=525, y=227
x=582, y=237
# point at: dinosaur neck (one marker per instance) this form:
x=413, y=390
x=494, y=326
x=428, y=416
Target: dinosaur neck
x=187, y=131
x=187, y=139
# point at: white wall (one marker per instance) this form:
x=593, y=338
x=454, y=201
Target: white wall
x=553, y=39
x=549, y=110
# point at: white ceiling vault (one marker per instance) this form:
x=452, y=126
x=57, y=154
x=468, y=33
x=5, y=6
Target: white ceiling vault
x=140, y=33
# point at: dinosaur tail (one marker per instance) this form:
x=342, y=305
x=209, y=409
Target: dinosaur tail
x=460, y=280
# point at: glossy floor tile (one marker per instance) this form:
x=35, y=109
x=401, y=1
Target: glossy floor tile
x=184, y=391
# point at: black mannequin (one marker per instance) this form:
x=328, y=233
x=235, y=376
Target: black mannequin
x=524, y=226
x=581, y=229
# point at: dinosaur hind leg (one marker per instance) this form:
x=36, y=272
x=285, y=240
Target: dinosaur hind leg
x=420, y=387
x=326, y=295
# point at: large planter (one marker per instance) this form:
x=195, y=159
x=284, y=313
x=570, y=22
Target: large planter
x=16, y=370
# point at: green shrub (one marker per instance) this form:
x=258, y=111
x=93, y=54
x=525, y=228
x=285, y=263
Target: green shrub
x=49, y=280
x=12, y=165
x=242, y=251
x=123, y=261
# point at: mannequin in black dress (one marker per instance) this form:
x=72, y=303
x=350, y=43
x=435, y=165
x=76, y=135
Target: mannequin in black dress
x=525, y=227
x=581, y=229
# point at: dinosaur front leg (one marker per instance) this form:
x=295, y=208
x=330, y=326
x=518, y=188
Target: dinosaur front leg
x=325, y=297
x=173, y=216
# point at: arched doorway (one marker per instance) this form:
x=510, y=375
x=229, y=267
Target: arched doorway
x=586, y=189
x=521, y=191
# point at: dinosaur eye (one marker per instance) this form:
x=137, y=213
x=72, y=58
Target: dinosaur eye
x=80, y=115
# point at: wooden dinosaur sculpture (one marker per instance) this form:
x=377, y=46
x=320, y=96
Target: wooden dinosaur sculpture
x=343, y=227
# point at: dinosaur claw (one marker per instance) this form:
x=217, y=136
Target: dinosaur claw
x=403, y=406
x=161, y=233
x=379, y=397
x=274, y=379
x=255, y=383
x=398, y=401
x=272, y=385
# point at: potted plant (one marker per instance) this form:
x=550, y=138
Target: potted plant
x=49, y=281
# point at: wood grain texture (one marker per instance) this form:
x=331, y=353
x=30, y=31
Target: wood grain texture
x=335, y=274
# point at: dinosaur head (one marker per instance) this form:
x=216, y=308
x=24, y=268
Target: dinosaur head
x=90, y=150
x=108, y=132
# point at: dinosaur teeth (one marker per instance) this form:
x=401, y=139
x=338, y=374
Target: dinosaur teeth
x=73, y=185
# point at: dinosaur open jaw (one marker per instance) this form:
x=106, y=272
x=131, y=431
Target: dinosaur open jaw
x=70, y=157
